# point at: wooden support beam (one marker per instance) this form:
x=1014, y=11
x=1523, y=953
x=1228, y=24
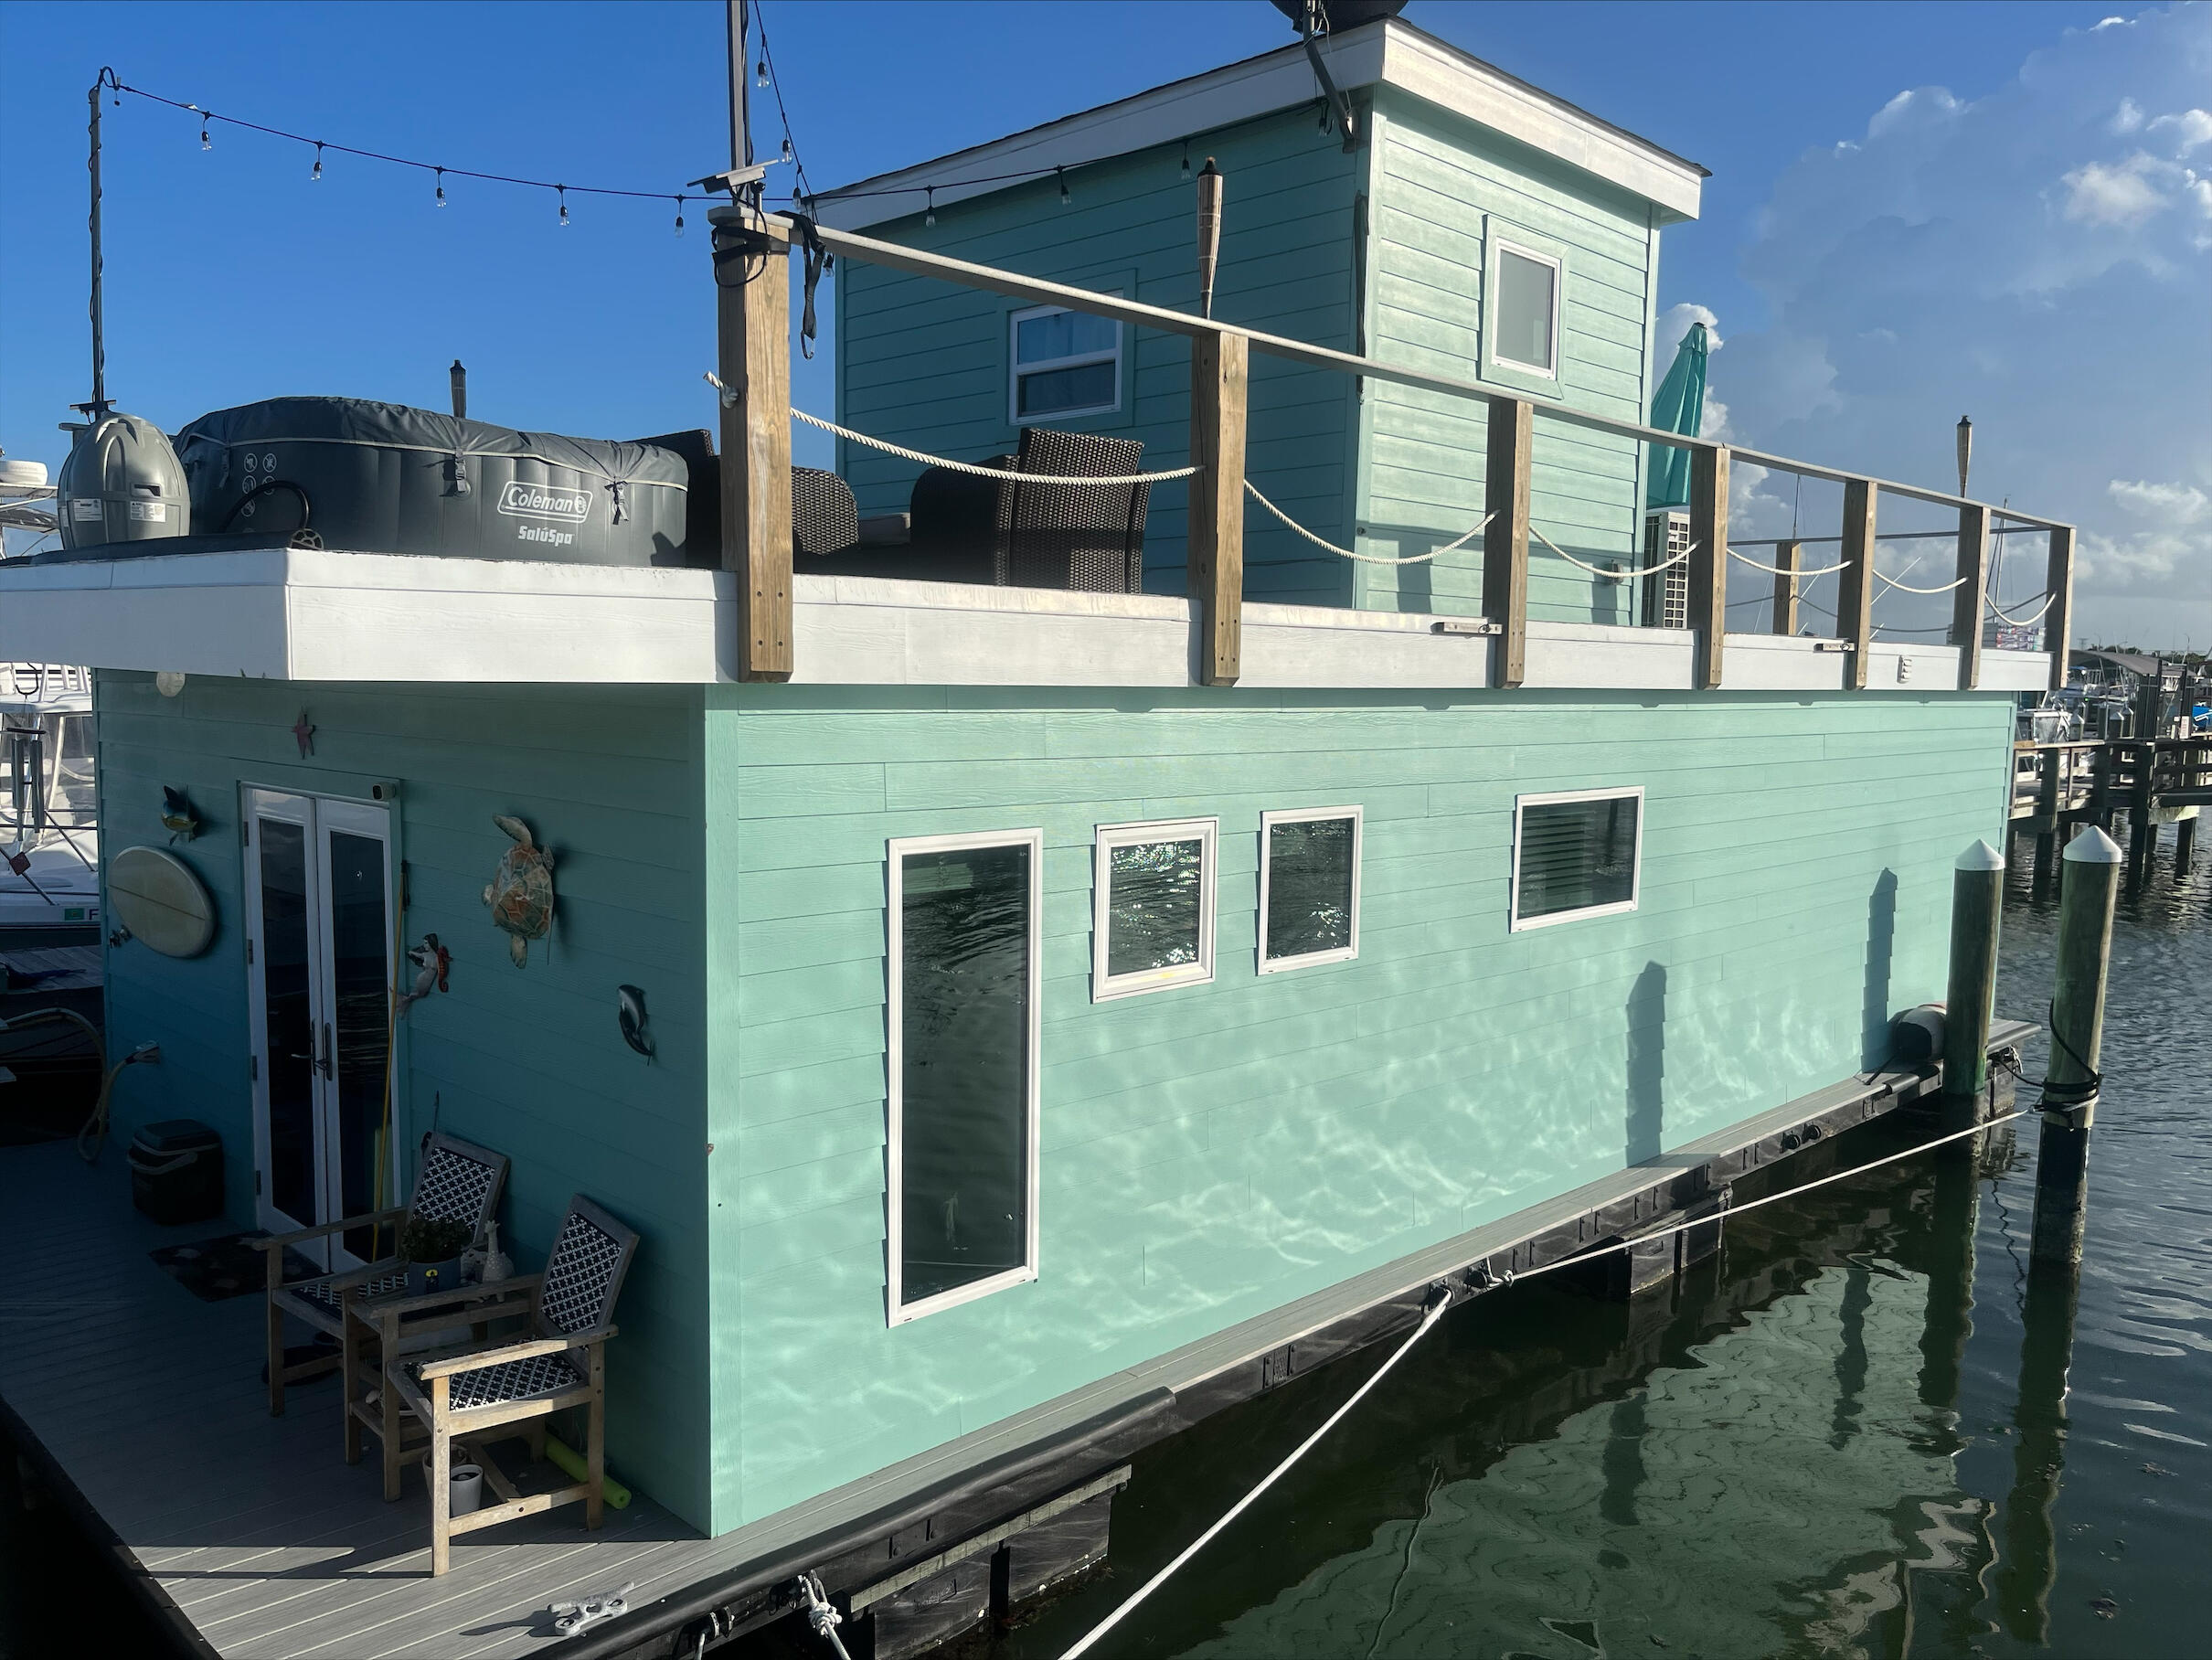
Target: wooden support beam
x=1708, y=561
x=753, y=320
x=2059, y=621
x=1969, y=598
x=1511, y=437
x=1855, y=589
x=1789, y=560
x=1220, y=366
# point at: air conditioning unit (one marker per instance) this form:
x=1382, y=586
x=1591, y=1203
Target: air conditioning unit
x=1666, y=596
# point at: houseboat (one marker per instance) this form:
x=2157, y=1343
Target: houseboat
x=1032, y=962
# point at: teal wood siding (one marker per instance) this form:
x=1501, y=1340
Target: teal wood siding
x=526, y=1060
x=1211, y=1152
x=925, y=363
x=1438, y=184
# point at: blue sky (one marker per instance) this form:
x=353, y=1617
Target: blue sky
x=231, y=276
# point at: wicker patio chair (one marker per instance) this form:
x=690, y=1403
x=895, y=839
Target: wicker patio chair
x=510, y=1385
x=823, y=516
x=1085, y=538
x=457, y=1182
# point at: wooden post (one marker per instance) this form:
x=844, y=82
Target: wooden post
x=1220, y=365
x=2184, y=848
x=1789, y=560
x=2047, y=810
x=1977, y=900
x=1969, y=598
x=1709, y=559
x=1855, y=590
x=753, y=318
x=2059, y=621
x=2069, y=1094
x=1512, y=435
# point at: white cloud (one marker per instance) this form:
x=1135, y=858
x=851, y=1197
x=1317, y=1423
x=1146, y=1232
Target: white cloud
x=2169, y=503
x=2123, y=194
x=2028, y=258
x=2191, y=129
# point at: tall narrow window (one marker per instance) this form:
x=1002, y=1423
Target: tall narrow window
x=1153, y=922
x=964, y=983
x=1576, y=855
x=1065, y=363
x=1309, y=887
x=1524, y=313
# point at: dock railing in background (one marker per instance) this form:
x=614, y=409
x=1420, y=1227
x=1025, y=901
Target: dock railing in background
x=752, y=269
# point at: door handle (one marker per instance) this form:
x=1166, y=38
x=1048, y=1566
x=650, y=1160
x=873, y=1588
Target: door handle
x=325, y=1061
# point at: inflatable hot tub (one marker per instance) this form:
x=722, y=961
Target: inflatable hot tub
x=384, y=478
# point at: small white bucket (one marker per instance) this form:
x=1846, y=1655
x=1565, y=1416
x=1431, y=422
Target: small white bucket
x=465, y=1489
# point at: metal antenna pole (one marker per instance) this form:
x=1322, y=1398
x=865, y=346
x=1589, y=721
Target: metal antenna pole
x=740, y=123
x=98, y=406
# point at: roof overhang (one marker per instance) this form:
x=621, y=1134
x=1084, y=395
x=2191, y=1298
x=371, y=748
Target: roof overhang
x=1387, y=53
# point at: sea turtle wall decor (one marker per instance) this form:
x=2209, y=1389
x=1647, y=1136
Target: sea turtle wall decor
x=520, y=892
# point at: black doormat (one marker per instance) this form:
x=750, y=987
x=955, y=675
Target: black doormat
x=215, y=1269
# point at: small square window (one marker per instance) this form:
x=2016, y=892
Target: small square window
x=1309, y=887
x=1153, y=922
x=1063, y=363
x=1576, y=855
x=1525, y=315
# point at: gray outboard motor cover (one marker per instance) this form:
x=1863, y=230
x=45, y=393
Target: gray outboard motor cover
x=383, y=478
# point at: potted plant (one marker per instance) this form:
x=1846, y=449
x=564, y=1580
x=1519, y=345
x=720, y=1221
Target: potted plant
x=432, y=1249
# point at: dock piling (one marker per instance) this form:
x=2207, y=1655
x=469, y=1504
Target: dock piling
x=2071, y=1079
x=1977, y=899
x=2184, y=848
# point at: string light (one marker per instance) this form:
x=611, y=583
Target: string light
x=928, y=212
x=679, y=216
x=1061, y=174
x=442, y=201
x=1186, y=158
x=205, y=142
x=759, y=75
x=563, y=189
x=317, y=176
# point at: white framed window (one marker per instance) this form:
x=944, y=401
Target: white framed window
x=1309, y=887
x=966, y=978
x=1062, y=363
x=1524, y=308
x=1576, y=854
x=1153, y=906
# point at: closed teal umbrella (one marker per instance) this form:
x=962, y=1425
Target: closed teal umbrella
x=1678, y=406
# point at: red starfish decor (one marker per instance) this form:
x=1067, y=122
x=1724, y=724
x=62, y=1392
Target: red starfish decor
x=303, y=730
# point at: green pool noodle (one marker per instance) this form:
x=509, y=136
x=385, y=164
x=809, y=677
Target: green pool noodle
x=572, y=1462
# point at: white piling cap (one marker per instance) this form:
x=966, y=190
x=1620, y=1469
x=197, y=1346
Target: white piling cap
x=1980, y=856
x=2092, y=847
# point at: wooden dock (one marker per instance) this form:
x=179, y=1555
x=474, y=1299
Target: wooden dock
x=2058, y=787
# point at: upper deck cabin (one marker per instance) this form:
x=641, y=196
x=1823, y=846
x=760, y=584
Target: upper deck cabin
x=761, y=769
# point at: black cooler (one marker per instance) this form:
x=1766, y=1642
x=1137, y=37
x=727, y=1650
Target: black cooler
x=177, y=1171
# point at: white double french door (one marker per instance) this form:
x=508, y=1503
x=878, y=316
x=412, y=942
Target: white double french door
x=319, y=914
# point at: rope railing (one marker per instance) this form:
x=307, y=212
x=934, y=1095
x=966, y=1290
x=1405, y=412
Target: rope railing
x=1776, y=571
x=1614, y=576
x=927, y=460
x=1252, y=490
x=2049, y=600
x=1908, y=588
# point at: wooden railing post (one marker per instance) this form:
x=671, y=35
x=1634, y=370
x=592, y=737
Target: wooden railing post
x=1219, y=370
x=1709, y=559
x=2059, y=621
x=1970, y=597
x=752, y=322
x=1855, y=589
x=1789, y=558
x=1511, y=437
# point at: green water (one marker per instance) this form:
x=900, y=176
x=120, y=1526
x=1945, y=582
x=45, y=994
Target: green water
x=1863, y=1432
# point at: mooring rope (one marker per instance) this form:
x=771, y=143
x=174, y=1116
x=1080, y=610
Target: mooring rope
x=1776, y=571
x=1614, y=576
x=2049, y=600
x=927, y=460
x=1252, y=490
x=1438, y=1303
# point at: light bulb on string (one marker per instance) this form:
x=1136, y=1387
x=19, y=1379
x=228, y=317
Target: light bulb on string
x=442, y=201
x=564, y=205
x=679, y=216
x=1186, y=161
x=760, y=74
x=787, y=147
x=205, y=142
x=317, y=176
x=1066, y=200
x=928, y=210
